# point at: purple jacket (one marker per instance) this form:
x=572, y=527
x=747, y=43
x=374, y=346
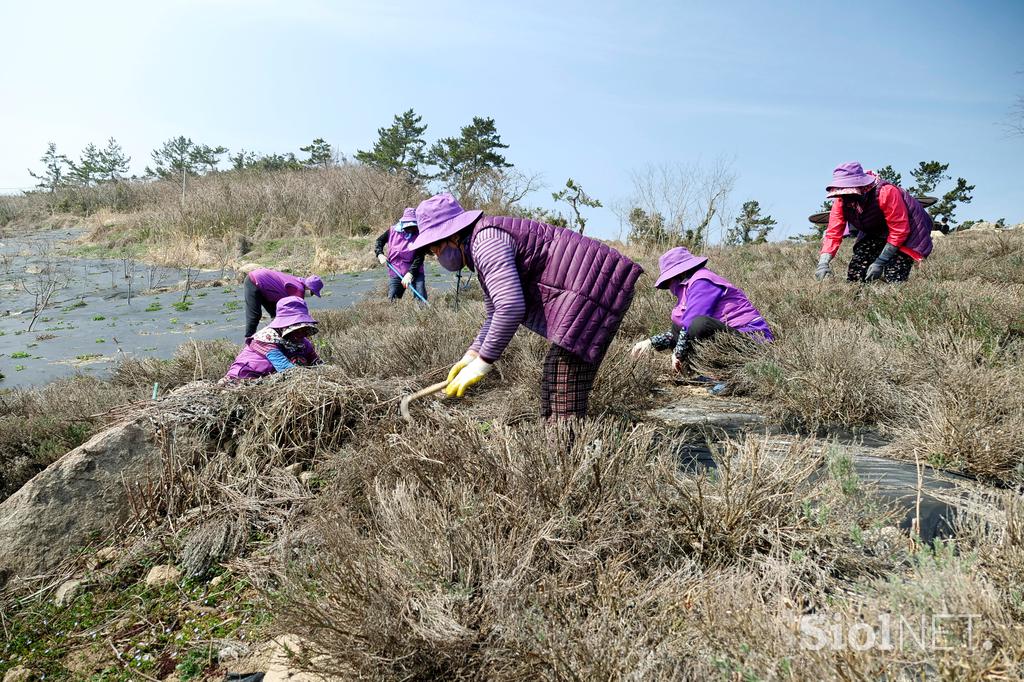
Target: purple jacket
x=276, y=285
x=732, y=308
x=576, y=290
x=399, y=253
x=871, y=221
x=252, y=361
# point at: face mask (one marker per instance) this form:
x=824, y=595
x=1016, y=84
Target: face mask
x=451, y=258
x=675, y=287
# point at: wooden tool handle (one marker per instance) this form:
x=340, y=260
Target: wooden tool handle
x=422, y=393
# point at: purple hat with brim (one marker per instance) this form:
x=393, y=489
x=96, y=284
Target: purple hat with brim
x=314, y=284
x=291, y=310
x=675, y=262
x=850, y=174
x=440, y=217
x=408, y=216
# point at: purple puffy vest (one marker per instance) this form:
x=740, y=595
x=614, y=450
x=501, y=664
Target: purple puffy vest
x=399, y=253
x=733, y=307
x=871, y=221
x=576, y=289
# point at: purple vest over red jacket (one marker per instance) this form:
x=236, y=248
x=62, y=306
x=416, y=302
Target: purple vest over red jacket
x=576, y=289
x=399, y=253
x=276, y=285
x=251, y=364
x=733, y=308
x=871, y=221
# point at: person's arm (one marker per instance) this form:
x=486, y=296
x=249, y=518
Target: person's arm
x=495, y=257
x=279, y=361
x=895, y=211
x=833, y=236
x=701, y=297
x=486, y=326
x=417, y=261
x=378, y=249
x=666, y=340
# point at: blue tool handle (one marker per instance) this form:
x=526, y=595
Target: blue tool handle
x=411, y=288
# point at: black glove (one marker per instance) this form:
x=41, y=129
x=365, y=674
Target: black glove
x=876, y=268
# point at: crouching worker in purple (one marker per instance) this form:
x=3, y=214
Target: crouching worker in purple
x=281, y=345
x=708, y=304
x=570, y=289
x=264, y=288
x=406, y=264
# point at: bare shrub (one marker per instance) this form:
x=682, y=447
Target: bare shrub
x=193, y=361
x=457, y=551
x=972, y=419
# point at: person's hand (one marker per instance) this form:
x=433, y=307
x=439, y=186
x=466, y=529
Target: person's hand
x=469, y=357
x=407, y=280
x=469, y=375
x=677, y=365
x=823, y=270
x=876, y=269
x=382, y=259
x=641, y=347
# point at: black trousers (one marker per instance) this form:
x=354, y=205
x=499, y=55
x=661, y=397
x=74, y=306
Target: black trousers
x=255, y=304
x=866, y=251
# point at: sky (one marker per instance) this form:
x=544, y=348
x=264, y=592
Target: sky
x=782, y=91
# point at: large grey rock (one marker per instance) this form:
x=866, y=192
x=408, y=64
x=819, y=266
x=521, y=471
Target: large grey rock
x=75, y=500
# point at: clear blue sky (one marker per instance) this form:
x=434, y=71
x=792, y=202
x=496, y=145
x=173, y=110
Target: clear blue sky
x=785, y=90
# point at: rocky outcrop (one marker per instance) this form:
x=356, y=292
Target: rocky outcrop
x=77, y=500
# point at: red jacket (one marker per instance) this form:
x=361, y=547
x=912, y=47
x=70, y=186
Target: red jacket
x=895, y=211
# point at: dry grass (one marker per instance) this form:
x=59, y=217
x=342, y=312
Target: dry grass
x=40, y=425
x=932, y=361
x=478, y=543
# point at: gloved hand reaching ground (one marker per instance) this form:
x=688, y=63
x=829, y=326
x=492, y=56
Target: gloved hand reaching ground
x=469, y=357
x=823, y=270
x=382, y=259
x=407, y=280
x=641, y=347
x=876, y=269
x=467, y=376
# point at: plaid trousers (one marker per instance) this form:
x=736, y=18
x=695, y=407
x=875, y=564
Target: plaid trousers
x=565, y=385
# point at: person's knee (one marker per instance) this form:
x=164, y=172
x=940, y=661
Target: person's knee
x=703, y=327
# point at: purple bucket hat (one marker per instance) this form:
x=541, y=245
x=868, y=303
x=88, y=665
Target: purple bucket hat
x=440, y=217
x=314, y=284
x=675, y=262
x=849, y=174
x=291, y=310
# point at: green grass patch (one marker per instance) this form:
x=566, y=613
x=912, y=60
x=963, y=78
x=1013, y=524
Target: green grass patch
x=154, y=307
x=182, y=306
x=98, y=318
x=20, y=354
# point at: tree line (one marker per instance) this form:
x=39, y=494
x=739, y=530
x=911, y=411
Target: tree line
x=670, y=205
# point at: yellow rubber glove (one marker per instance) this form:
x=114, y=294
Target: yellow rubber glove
x=469, y=357
x=469, y=375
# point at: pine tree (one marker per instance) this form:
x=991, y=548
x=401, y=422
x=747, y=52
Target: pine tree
x=889, y=173
x=400, y=148
x=648, y=229
x=55, y=170
x=463, y=160
x=750, y=226
x=113, y=164
x=929, y=175
x=321, y=155
x=89, y=167
x=174, y=159
x=208, y=157
x=574, y=195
